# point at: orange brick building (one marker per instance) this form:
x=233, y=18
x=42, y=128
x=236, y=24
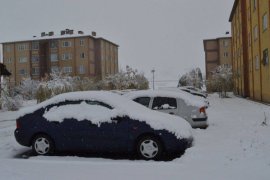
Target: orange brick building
x=75, y=54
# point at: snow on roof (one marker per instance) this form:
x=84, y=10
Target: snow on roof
x=57, y=36
x=188, y=98
x=122, y=107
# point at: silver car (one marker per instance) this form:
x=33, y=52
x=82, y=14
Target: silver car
x=179, y=103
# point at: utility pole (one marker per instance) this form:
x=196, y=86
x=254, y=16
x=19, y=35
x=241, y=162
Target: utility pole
x=153, y=71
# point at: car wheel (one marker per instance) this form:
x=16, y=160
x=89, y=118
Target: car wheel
x=42, y=145
x=149, y=148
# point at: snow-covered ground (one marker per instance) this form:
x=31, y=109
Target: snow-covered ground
x=235, y=146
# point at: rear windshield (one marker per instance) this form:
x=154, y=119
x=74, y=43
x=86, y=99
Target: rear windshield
x=143, y=101
x=164, y=103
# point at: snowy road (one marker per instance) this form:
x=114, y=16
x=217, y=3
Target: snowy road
x=235, y=146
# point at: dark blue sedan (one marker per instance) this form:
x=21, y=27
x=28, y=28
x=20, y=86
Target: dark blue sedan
x=99, y=121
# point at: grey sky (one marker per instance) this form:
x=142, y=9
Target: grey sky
x=162, y=34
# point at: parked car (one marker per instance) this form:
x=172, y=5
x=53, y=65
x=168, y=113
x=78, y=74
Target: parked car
x=179, y=103
x=191, y=90
x=99, y=121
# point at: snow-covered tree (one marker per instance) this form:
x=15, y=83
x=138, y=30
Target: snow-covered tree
x=55, y=83
x=28, y=88
x=192, y=78
x=58, y=82
x=222, y=80
x=10, y=100
x=128, y=79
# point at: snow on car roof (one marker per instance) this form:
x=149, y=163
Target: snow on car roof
x=188, y=98
x=122, y=107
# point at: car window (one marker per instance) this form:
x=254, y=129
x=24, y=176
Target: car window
x=67, y=102
x=164, y=103
x=143, y=101
x=98, y=103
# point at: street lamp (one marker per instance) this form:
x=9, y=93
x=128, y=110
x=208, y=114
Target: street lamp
x=153, y=71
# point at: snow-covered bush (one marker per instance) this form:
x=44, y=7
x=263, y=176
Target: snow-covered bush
x=192, y=78
x=10, y=100
x=83, y=84
x=128, y=79
x=28, y=88
x=55, y=83
x=221, y=80
x=58, y=82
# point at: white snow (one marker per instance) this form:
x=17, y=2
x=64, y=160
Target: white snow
x=121, y=107
x=188, y=98
x=98, y=114
x=235, y=146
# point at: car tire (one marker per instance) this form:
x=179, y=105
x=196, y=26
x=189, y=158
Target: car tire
x=149, y=148
x=42, y=145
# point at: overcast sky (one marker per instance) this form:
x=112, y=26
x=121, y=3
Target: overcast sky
x=163, y=34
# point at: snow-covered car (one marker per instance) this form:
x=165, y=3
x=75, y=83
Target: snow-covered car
x=180, y=103
x=99, y=121
x=189, y=90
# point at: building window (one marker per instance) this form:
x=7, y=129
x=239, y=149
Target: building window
x=35, y=58
x=22, y=59
x=257, y=62
x=7, y=48
x=225, y=43
x=35, y=45
x=249, y=39
x=249, y=14
x=265, y=57
x=53, y=44
x=8, y=60
x=66, y=44
x=22, y=72
x=67, y=69
x=35, y=71
x=265, y=21
x=255, y=31
x=81, y=69
x=54, y=57
x=254, y=5
x=22, y=47
x=66, y=56
x=54, y=69
x=226, y=54
x=82, y=42
x=82, y=55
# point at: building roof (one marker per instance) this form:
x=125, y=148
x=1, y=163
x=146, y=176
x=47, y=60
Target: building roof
x=233, y=10
x=217, y=39
x=58, y=36
x=214, y=39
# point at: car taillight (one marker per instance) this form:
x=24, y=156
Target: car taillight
x=18, y=125
x=202, y=110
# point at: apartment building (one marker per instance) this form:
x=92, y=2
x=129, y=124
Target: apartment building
x=217, y=52
x=75, y=54
x=250, y=45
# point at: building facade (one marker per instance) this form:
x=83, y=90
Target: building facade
x=250, y=45
x=217, y=52
x=75, y=54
